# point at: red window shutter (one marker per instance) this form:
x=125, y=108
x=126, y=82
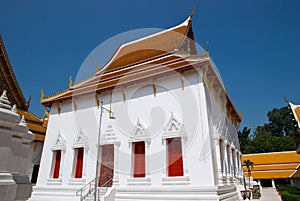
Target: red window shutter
x=79, y=163
x=139, y=159
x=175, y=164
x=57, y=155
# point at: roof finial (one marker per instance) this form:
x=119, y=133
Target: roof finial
x=70, y=83
x=28, y=102
x=42, y=96
x=193, y=11
x=286, y=100
x=207, y=48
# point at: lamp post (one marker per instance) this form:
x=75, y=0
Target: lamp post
x=98, y=144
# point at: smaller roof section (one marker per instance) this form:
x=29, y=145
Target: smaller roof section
x=275, y=165
x=296, y=113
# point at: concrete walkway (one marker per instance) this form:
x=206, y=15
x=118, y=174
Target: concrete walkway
x=268, y=194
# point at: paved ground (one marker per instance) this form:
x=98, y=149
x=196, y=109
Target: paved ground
x=269, y=194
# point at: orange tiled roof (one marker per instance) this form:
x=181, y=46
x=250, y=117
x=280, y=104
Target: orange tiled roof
x=281, y=174
x=137, y=60
x=297, y=111
x=167, y=52
x=274, y=165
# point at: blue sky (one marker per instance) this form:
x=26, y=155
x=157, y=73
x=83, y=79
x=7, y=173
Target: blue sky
x=255, y=44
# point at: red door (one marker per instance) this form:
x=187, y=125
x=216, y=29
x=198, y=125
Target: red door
x=175, y=165
x=138, y=159
x=107, y=165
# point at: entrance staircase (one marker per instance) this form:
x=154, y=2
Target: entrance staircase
x=87, y=192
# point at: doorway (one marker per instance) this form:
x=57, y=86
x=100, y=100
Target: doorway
x=106, y=165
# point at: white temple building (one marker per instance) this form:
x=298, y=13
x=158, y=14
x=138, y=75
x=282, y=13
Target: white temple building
x=174, y=136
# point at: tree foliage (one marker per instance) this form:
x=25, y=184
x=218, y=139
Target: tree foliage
x=276, y=135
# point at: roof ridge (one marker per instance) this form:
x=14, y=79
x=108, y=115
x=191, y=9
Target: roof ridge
x=12, y=75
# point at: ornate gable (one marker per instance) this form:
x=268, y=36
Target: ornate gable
x=81, y=140
x=174, y=128
x=139, y=133
x=59, y=142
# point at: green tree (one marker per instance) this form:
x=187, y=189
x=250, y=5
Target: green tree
x=244, y=139
x=280, y=122
x=276, y=135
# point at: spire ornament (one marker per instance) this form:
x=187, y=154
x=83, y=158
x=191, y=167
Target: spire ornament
x=42, y=96
x=71, y=83
x=28, y=102
x=192, y=13
x=207, y=49
x=23, y=122
x=14, y=108
x=4, y=102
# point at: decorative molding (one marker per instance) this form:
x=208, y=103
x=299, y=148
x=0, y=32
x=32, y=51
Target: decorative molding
x=182, y=80
x=81, y=140
x=74, y=104
x=58, y=109
x=124, y=95
x=97, y=100
x=140, y=133
x=154, y=88
x=174, y=128
x=59, y=142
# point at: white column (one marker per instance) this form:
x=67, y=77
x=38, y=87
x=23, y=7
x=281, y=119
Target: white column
x=234, y=163
x=219, y=159
x=273, y=183
x=165, y=171
x=223, y=161
x=147, y=155
x=185, y=158
x=62, y=161
x=230, y=163
x=226, y=161
x=116, y=164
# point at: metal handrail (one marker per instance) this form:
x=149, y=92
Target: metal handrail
x=89, y=187
x=104, y=186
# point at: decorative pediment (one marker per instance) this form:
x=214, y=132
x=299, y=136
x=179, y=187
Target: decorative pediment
x=174, y=128
x=59, y=142
x=109, y=136
x=139, y=133
x=81, y=140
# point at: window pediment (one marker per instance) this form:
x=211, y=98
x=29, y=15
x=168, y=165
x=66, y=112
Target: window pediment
x=139, y=133
x=174, y=128
x=81, y=140
x=59, y=142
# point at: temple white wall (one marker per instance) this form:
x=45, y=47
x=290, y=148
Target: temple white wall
x=15, y=153
x=201, y=117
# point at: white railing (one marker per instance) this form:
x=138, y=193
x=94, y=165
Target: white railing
x=86, y=190
x=89, y=189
